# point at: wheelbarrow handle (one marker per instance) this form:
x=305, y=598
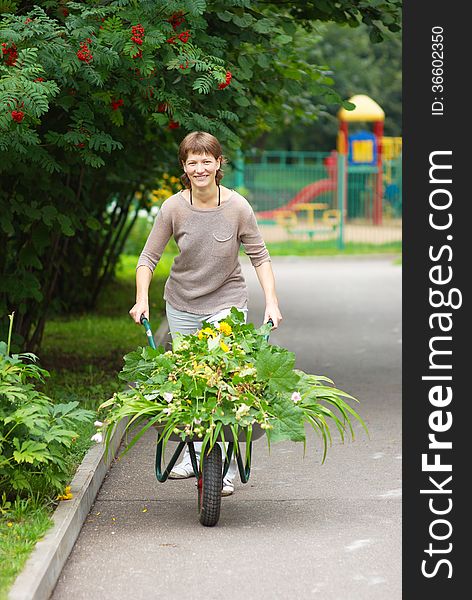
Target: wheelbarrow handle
x=148, y=329
x=271, y=323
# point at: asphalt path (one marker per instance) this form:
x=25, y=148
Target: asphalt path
x=298, y=529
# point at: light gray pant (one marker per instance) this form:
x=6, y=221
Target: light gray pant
x=186, y=324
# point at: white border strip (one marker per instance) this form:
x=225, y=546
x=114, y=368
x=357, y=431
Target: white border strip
x=43, y=568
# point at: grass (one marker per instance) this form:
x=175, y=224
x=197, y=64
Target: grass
x=83, y=353
x=329, y=248
x=92, y=345
x=22, y=524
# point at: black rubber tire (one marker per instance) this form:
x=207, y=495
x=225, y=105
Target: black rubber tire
x=209, y=487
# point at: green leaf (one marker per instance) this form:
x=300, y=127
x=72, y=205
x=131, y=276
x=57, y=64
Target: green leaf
x=276, y=367
x=93, y=223
x=49, y=213
x=66, y=225
x=225, y=16
x=264, y=26
x=30, y=451
x=283, y=39
x=244, y=21
x=242, y=101
x=160, y=118
x=288, y=424
x=348, y=105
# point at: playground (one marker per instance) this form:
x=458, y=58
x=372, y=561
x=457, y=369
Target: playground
x=351, y=194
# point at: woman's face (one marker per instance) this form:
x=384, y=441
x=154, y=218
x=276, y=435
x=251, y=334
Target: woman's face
x=201, y=169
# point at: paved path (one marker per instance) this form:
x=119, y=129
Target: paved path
x=298, y=529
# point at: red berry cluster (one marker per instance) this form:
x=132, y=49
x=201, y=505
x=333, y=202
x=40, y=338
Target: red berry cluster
x=184, y=66
x=222, y=86
x=138, y=33
x=65, y=12
x=11, y=54
x=39, y=79
x=17, y=115
x=84, y=54
x=183, y=37
x=176, y=19
x=173, y=124
x=28, y=20
x=115, y=104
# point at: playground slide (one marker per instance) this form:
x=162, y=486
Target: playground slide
x=307, y=194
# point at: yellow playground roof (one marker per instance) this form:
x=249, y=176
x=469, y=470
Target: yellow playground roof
x=366, y=110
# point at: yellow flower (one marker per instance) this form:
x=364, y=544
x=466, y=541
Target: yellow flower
x=224, y=347
x=209, y=331
x=200, y=334
x=9, y=524
x=225, y=328
x=67, y=495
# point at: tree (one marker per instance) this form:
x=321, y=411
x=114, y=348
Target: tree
x=357, y=67
x=94, y=98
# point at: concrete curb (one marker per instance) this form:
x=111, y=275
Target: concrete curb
x=43, y=568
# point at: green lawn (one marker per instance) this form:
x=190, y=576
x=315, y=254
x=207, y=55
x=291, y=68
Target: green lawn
x=21, y=525
x=329, y=248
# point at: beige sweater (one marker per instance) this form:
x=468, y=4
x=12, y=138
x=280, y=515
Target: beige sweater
x=206, y=276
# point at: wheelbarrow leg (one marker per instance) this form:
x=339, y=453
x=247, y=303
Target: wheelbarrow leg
x=193, y=459
x=162, y=476
x=244, y=469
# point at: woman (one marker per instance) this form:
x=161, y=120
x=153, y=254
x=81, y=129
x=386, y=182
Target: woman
x=209, y=222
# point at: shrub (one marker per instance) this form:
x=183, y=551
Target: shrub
x=35, y=433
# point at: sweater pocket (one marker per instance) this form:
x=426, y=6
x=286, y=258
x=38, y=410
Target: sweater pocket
x=222, y=244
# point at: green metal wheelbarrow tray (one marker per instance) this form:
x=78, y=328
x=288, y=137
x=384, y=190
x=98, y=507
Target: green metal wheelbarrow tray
x=212, y=470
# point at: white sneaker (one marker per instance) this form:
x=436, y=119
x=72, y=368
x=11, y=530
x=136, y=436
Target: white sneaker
x=228, y=488
x=182, y=471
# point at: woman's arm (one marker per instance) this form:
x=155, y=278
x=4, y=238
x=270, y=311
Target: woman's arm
x=266, y=279
x=150, y=256
x=143, y=281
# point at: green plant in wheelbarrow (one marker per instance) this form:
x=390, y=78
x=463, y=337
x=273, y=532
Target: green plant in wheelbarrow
x=35, y=433
x=225, y=383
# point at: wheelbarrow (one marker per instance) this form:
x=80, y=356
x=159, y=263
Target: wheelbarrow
x=211, y=470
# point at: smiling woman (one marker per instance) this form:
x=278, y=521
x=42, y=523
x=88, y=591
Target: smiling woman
x=209, y=222
x=201, y=157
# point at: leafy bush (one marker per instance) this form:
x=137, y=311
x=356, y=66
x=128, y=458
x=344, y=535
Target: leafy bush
x=35, y=433
x=226, y=375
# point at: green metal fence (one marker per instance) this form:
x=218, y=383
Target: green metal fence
x=272, y=179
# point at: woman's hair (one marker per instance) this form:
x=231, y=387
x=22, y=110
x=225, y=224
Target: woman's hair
x=200, y=142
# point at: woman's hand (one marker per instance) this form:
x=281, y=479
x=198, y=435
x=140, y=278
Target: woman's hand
x=140, y=308
x=272, y=312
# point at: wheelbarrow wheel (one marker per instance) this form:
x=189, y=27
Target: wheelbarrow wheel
x=210, y=484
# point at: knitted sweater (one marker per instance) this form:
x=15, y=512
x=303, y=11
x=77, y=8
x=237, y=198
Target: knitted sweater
x=206, y=276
